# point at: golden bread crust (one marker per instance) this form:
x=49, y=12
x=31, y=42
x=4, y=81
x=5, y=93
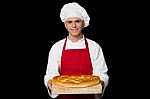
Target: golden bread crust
x=76, y=80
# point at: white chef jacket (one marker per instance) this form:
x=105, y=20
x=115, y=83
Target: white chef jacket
x=98, y=62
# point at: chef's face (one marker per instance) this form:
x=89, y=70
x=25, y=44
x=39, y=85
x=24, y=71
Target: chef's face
x=74, y=25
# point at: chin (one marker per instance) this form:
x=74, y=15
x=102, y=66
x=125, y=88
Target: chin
x=75, y=34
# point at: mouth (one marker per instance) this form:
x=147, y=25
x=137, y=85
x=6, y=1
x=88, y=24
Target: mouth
x=74, y=30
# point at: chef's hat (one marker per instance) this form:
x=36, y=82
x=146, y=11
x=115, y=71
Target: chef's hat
x=74, y=10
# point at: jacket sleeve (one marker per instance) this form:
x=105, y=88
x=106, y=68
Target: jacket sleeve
x=52, y=68
x=99, y=65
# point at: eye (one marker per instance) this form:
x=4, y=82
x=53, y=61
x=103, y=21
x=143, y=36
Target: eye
x=78, y=21
x=69, y=21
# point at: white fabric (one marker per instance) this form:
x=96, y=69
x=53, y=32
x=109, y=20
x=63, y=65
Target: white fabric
x=74, y=10
x=98, y=62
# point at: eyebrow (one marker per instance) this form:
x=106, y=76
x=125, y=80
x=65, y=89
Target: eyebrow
x=78, y=20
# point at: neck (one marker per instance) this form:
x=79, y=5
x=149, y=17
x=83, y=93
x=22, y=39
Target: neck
x=74, y=38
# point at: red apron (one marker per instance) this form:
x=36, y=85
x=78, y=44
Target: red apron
x=76, y=62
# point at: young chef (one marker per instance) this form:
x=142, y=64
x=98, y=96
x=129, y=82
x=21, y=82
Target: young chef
x=75, y=54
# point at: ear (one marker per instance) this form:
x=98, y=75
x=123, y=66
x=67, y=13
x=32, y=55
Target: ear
x=65, y=25
x=83, y=24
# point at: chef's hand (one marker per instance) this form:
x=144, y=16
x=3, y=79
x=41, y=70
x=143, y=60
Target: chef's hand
x=100, y=95
x=50, y=84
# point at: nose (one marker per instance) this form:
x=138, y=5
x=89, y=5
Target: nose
x=73, y=24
